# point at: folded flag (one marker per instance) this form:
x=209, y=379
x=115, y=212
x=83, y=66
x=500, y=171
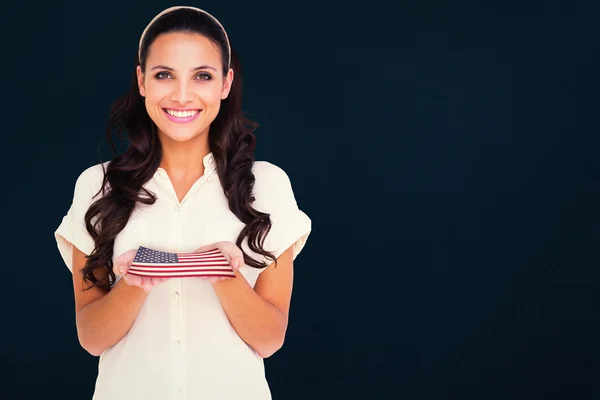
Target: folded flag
x=154, y=263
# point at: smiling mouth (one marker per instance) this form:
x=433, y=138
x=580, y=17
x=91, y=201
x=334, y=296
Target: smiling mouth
x=181, y=114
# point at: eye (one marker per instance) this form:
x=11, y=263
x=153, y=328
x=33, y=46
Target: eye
x=204, y=76
x=162, y=75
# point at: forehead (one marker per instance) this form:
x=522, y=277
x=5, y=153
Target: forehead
x=184, y=49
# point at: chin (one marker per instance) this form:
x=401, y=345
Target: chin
x=180, y=137
x=178, y=134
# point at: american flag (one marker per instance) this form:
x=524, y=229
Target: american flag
x=154, y=263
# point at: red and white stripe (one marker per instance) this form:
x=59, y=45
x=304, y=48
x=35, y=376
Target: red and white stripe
x=210, y=263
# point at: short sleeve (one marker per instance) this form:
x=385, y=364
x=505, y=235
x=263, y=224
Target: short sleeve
x=274, y=195
x=72, y=231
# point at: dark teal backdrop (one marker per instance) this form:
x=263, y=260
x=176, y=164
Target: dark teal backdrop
x=447, y=153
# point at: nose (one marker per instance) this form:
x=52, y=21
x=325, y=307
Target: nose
x=181, y=93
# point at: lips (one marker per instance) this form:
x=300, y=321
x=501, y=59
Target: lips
x=181, y=116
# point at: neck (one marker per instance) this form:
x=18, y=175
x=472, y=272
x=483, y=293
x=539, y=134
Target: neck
x=184, y=160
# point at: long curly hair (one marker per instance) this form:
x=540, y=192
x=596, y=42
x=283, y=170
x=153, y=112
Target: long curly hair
x=231, y=140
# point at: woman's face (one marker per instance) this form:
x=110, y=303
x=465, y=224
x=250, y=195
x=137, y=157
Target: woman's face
x=183, y=84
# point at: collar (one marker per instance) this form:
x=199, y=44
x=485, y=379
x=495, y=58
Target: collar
x=210, y=165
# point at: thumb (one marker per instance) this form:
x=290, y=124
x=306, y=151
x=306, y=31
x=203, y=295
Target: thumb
x=206, y=248
x=237, y=262
x=123, y=262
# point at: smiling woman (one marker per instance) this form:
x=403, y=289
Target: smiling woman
x=187, y=183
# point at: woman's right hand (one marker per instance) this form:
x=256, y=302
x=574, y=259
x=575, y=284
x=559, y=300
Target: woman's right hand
x=121, y=268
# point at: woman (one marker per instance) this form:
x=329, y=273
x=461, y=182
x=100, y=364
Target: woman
x=187, y=182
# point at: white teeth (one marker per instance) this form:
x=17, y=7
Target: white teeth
x=182, y=114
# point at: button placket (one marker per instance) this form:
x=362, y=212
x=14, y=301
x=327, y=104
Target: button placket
x=178, y=373
x=177, y=225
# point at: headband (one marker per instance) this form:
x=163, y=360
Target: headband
x=190, y=8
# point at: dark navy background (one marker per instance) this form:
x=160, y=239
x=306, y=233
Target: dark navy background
x=447, y=153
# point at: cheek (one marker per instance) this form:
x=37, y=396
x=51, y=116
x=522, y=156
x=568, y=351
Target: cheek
x=210, y=94
x=154, y=93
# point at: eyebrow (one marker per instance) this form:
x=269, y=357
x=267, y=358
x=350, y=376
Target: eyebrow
x=194, y=69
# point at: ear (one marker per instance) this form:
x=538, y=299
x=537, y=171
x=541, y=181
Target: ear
x=228, y=81
x=140, y=80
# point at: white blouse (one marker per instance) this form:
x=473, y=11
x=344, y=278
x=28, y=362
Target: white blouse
x=182, y=345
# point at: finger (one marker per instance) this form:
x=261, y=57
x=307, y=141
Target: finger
x=133, y=280
x=238, y=262
x=146, y=283
x=229, y=257
x=214, y=279
x=235, y=255
x=130, y=255
x=119, y=267
x=158, y=280
x=232, y=253
x=123, y=262
x=206, y=248
x=234, y=259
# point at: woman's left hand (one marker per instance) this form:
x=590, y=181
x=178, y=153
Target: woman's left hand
x=232, y=253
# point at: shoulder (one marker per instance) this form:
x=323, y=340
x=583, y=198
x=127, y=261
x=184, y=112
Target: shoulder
x=269, y=176
x=90, y=179
x=272, y=186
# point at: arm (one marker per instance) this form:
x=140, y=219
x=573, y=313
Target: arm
x=260, y=315
x=103, y=319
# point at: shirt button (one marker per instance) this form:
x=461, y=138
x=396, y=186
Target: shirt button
x=208, y=179
x=178, y=343
x=176, y=208
x=176, y=296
